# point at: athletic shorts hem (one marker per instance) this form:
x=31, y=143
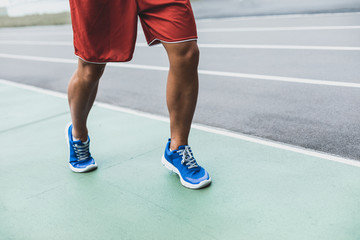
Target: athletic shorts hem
x=158, y=41
x=90, y=61
x=95, y=61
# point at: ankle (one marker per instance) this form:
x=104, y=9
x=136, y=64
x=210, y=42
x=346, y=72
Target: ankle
x=174, y=144
x=80, y=136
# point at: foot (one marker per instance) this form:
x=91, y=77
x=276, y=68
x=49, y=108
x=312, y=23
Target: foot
x=80, y=157
x=183, y=163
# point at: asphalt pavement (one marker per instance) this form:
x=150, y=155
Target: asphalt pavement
x=258, y=76
x=235, y=8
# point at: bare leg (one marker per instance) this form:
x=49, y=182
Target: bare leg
x=182, y=89
x=82, y=91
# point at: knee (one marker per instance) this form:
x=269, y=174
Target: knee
x=187, y=55
x=191, y=55
x=90, y=71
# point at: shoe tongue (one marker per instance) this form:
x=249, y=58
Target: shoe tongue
x=80, y=142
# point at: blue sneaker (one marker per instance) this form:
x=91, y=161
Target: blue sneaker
x=80, y=157
x=183, y=163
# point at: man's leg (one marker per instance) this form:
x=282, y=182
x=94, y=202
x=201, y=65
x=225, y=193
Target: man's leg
x=181, y=97
x=82, y=91
x=182, y=89
x=81, y=94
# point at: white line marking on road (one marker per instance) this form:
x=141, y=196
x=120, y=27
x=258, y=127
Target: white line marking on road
x=280, y=79
x=201, y=30
x=41, y=59
x=51, y=43
x=265, y=29
x=19, y=32
x=280, y=47
x=282, y=16
x=223, y=46
x=218, y=131
x=204, y=72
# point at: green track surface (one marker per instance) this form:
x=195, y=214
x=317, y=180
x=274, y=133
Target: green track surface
x=258, y=192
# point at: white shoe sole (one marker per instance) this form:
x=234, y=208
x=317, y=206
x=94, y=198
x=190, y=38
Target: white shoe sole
x=78, y=170
x=81, y=170
x=183, y=182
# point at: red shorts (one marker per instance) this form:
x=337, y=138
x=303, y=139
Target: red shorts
x=105, y=30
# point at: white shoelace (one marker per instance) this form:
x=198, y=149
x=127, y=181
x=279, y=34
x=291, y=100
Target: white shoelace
x=82, y=151
x=187, y=157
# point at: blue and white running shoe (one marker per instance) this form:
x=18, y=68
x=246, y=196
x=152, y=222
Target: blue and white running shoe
x=80, y=157
x=183, y=163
